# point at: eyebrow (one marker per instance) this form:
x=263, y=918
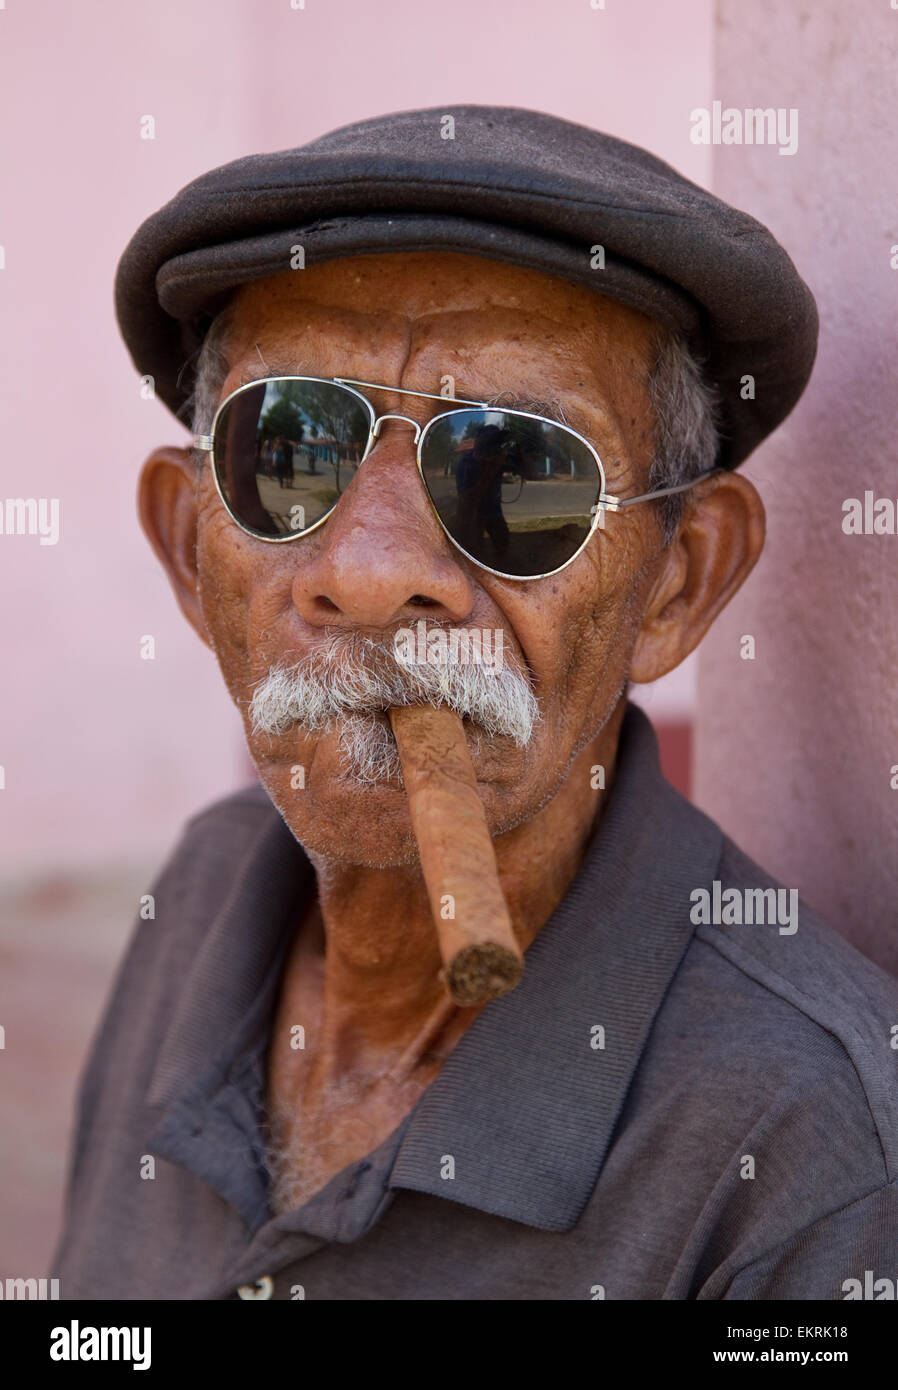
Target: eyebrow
x=600, y=429
x=532, y=405
x=258, y=371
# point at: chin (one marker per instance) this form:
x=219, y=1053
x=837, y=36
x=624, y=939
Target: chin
x=344, y=820
x=349, y=819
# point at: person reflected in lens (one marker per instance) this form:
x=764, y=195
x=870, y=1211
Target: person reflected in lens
x=478, y=483
x=283, y=462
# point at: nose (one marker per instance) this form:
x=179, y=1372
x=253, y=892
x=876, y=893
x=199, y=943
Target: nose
x=382, y=557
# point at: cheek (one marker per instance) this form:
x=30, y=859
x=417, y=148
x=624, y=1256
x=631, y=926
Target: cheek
x=605, y=612
x=243, y=590
x=578, y=630
x=607, y=620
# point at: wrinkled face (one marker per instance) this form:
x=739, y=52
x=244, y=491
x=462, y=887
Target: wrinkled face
x=382, y=562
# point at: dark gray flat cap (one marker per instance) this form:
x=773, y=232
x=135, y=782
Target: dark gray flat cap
x=512, y=184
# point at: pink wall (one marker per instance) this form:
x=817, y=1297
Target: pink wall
x=795, y=749
x=104, y=753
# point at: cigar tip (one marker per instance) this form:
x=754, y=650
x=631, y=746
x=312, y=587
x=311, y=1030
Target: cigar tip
x=481, y=972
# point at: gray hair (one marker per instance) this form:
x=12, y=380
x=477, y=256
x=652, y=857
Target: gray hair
x=687, y=424
x=686, y=408
x=210, y=373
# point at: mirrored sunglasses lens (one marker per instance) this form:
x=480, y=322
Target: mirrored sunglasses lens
x=285, y=450
x=515, y=493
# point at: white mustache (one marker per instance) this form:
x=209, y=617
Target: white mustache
x=351, y=679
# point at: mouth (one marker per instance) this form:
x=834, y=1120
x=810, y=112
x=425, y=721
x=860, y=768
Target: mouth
x=371, y=714
x=367, y=750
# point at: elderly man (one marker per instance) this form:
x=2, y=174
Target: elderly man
x=528, y=359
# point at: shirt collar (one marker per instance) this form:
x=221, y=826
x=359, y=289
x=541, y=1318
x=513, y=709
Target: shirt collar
x=209, y=1070
x=526, y=1103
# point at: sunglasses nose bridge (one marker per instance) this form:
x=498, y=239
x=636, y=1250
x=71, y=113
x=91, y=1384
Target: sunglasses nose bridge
x=375, y=428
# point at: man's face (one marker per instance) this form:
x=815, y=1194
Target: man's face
x=382, y=562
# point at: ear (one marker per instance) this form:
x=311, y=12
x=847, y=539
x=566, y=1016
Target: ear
x=713, y=553
x=167, y=507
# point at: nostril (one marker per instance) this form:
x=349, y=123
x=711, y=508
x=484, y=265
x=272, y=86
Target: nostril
x=422, y=601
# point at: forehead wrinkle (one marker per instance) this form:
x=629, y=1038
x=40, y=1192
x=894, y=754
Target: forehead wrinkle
x=598, y=421
x=319, y=320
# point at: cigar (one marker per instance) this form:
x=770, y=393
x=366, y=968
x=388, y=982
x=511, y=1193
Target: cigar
x=481, y=956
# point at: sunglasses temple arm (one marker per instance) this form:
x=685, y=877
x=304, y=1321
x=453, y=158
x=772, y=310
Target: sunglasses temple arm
x=617, y=504
x=203, y=442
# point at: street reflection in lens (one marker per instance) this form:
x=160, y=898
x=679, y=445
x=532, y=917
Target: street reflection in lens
x=286, y=449
x=514, y=492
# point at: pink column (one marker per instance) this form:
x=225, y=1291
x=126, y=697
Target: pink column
x=797, y=749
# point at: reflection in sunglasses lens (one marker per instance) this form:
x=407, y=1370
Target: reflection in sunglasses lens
x=515, y=493
x=285, y=450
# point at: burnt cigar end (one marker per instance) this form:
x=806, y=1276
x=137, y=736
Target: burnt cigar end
x=482, y=972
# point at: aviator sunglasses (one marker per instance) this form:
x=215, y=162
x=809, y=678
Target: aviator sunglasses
x=517, y=493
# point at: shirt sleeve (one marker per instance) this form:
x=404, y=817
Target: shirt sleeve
x=849, y=1254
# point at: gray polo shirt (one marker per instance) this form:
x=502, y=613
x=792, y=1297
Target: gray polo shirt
x=665, y=1108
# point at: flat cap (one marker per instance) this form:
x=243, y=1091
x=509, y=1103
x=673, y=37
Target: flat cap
x=516, y=185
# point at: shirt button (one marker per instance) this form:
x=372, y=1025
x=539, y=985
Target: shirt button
x=262, y=1288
